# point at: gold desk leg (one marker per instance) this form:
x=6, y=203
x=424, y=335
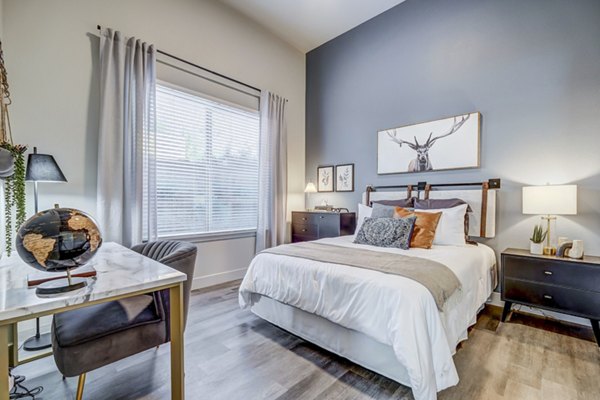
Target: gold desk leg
x=5, y=332
x=13, y=339
x=177, y=364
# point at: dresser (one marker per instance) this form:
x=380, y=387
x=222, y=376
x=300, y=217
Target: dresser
x=313, y=225
x=552, y=283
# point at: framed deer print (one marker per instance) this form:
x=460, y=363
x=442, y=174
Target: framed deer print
x=344, y=175
x=325, y=179
x=449, y=143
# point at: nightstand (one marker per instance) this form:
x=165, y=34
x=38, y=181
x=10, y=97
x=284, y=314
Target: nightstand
x=552, y=283
x=313, y=225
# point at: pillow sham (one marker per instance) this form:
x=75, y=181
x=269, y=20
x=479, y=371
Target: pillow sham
x=386, y=232
x=446, y=203
x=395, y=203
x=451, y=228
x=425, y=226
x=363, y=212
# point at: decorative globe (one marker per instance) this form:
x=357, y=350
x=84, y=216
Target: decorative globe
x=58, y=239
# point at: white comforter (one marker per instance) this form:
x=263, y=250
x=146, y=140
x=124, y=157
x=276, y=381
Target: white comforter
x=391, y=309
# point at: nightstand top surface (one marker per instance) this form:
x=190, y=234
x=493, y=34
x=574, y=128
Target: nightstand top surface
x=525, y=253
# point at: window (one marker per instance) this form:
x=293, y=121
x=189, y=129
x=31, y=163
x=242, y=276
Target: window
x=206, y=165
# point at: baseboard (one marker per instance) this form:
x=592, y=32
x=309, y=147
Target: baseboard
x=216, y=279
x=495, y=300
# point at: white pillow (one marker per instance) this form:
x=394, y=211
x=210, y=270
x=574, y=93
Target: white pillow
x=451, y=228
x=363, y=212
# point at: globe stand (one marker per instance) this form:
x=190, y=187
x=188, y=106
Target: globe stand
x=62, y=285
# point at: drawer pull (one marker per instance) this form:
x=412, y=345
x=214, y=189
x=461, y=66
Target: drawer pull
x=547, y=297
x=321, y=216
x=303, y=230
x=303, y=218
x=548, y=272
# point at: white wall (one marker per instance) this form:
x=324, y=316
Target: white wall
x=51, y=54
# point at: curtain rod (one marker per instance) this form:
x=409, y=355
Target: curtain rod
x=202, y=68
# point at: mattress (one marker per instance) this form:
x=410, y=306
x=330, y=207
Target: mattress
x=390, y=310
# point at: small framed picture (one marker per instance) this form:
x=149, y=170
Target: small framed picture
x=325, y=179
x=344, y=175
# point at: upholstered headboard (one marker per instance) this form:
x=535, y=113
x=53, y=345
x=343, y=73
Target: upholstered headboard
x=481, y=196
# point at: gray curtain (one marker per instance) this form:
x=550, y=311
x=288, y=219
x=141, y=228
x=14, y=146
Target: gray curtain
x=272, y=194
x=126, y=167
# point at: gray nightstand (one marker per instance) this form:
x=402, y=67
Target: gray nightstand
x=313, y=225
x=552, y=283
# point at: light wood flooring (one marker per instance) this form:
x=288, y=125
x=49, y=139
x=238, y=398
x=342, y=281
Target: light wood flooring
x=232, y=354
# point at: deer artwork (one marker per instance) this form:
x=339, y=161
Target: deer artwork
x=422, y=161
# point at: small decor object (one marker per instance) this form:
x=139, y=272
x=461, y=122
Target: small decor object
x=12, y=164
x=563, y=248
x=415, y=148
x=536, y=242
x=344, y=174
x=577, y=250
x=325, y=178
x=58, y=239
x=550, y=200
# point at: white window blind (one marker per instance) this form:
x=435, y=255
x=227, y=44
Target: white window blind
x=206, y=165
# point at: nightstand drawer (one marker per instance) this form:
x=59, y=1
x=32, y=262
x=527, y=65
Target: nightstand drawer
x=559, y=272
x=305, y=229
x=578, y=302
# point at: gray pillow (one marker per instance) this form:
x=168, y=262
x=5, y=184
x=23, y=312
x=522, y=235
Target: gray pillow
x=386, y=232
x=432, y=204
x=382, y=211
x=395, y=203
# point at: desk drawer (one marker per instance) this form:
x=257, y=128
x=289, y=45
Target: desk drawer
x=560, y=272
x=579, y=302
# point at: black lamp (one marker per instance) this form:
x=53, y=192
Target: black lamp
x=41, y=168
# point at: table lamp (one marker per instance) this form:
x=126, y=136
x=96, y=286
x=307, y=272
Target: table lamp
x=310, y=188
x=550, y=201
x=41, y=168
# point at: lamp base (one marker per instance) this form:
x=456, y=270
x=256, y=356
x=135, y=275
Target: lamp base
x=61, y=286
x=35, y=343
x=549, y=250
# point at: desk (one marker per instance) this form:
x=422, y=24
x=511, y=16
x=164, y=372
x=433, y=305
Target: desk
x=120, y=272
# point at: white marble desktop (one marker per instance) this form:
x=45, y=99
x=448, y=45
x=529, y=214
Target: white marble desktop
x=119, y=271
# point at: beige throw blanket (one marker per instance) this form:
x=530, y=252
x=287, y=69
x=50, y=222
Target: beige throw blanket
x=436, y=277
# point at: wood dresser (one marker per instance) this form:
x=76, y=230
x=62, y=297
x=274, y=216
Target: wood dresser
x=559, y=284
x=313, y=225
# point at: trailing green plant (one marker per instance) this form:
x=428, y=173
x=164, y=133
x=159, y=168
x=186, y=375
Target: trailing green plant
x=14, y=171
x=538, y=234
x=14, y=194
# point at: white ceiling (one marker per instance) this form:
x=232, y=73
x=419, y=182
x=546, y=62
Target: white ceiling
x=307, y=24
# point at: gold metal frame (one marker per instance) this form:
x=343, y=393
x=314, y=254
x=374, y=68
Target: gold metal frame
x=437, y=169
x=9, y=337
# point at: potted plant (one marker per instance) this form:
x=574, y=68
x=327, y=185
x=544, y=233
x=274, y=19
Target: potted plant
x=536, y=242
x=12, y=165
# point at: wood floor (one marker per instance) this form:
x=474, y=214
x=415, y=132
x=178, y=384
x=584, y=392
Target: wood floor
x=231, y=354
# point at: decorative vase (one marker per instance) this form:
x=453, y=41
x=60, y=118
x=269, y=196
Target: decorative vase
x=577, y=250
x=536, y=248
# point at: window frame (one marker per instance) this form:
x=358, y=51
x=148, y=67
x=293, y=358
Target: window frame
x=229, y=234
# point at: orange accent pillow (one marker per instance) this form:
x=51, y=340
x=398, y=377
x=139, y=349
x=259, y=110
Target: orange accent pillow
x=425, y=226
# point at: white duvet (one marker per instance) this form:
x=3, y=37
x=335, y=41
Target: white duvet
x=391, y=309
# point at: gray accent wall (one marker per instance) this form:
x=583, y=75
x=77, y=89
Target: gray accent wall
x=531, y=67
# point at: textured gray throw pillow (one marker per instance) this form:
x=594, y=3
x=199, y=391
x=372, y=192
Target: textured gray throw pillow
x=386, y=232
x=382, y=211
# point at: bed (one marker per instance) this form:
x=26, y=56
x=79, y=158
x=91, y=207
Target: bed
x=387, y=323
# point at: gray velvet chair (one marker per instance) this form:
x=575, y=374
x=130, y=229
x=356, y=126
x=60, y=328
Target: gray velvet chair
x=92, y=337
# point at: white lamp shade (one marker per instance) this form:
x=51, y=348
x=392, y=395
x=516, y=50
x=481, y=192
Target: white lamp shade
x=550, y=200
x=310, y=188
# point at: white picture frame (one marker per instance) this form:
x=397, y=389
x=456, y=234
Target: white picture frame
x=443, y=144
